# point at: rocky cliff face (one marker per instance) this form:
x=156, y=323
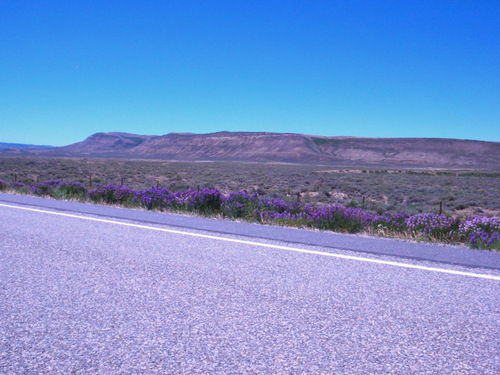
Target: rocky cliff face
x=232, y=146
x=284, y=147
x=426, y=152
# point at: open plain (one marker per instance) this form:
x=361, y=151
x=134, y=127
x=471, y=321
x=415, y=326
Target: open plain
x=464, y=192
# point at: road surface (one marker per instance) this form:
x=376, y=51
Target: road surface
x=93, y=294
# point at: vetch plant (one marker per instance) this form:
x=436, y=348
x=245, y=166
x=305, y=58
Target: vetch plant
x=155, y=198
x=482, y=232
x=240, y=205
x=112, y=194
x=45, y=188
x=429, y=225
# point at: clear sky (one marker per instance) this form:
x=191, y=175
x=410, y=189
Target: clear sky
x=377, y=68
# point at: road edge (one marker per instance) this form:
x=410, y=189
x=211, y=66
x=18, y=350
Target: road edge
x=447, y=254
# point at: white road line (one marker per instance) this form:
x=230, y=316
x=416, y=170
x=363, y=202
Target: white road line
x=361, y=259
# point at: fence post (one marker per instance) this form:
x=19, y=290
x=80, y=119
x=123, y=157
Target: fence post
x=440, y=207
x=121, y=181
x=90, y=181
x=157, y=184
x=15, y=177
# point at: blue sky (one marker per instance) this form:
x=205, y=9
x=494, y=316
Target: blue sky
x=367, y=68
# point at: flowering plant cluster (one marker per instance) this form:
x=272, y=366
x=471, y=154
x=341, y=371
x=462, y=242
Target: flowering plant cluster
x=478, y=232
x=206, y=201
x=433, y=226
x=155, y=198
x=112, y=194
x=58, y=189
x=481, y=231
x=240, y=205
x=391, y=221
x=45, y=188
x=338, y=218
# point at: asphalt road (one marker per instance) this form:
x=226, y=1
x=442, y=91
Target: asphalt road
x=91, y=294
x=419, y=251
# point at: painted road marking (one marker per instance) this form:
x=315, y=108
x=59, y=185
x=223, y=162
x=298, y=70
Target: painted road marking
x=296, y=249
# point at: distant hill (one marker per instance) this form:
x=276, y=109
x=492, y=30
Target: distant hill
x=20, y=145
x=284, y=147
x=101, y=144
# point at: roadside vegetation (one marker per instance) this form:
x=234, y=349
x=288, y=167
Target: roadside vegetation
x=481, y=232
x=458, y=193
